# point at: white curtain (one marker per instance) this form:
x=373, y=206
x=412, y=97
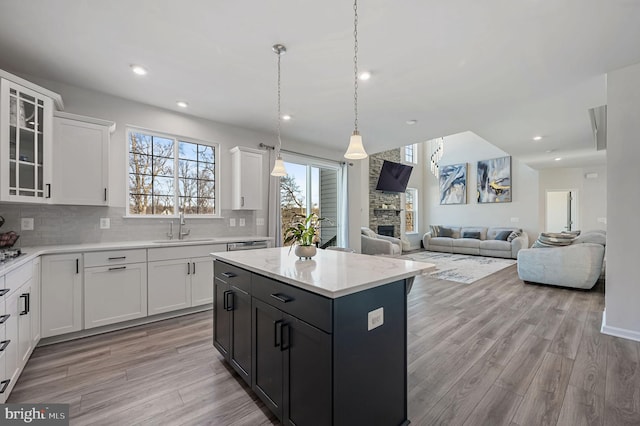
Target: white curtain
x=343, y=229
x=274, y=226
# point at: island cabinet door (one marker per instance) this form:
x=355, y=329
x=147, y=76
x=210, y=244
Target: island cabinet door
x=307, y=374
x=267, y=355
x=240, y=353
x=221, y=317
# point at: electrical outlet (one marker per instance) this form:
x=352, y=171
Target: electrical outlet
x=260, y=221
x=232, y=222
x=105, y=223
x=26, y=224
x=515, y=219
x=602, y=220
x=242, y=222
x=375, y=319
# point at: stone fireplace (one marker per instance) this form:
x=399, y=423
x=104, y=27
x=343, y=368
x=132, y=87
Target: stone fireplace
x=384, y=207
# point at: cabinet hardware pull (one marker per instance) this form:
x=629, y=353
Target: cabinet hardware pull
x=25, y=296
x=4, y=384
x=229, y=301
x=77, y=266
x=4, y=291
x=117, y=268
x=194, y=268
x=105, y=194
x=282, y=297
x=229, y=274
x=277, y=333
x=224, y=300
x=4, y=344
x=188, y=268
x=241, y=201
x=283, y=346
x=117, y=258
x=4, y=318
x=48, y=190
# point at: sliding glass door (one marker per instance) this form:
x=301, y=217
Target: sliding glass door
x=310, y=187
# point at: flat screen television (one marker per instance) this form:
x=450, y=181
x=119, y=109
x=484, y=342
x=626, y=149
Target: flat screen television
x=393, y=177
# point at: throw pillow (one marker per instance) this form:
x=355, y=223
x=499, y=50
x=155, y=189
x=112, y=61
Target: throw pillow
x=446, y=232
x=468, y=234
x=435, y=230
x=502, y=235
x=514, y=235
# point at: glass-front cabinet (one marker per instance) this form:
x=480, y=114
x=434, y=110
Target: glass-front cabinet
x=26, y=119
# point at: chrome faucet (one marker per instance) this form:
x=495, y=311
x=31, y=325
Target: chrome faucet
x=181, y=223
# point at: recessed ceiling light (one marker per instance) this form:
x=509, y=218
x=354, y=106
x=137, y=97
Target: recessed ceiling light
x=182, y=104
x=557, y=159
x=537, y=138
x=549, y=151
x=138, y=69
x=365, y=75
x=286, y=117
x=411, y=122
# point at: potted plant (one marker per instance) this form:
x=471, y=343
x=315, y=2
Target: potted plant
x=304, y=233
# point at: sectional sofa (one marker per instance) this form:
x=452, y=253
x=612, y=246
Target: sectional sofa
x=482, y=241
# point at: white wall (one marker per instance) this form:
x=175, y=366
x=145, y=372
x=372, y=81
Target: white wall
x=622, y=297
x=467, y=147
x=592, y=193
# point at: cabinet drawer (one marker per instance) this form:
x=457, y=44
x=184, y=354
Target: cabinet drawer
x=184, y=252
x=114, y=257
x=309, y=307
x=232, y=275
x=17, y=277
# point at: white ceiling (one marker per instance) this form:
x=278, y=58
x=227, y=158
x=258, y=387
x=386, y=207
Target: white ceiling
x=505, y=69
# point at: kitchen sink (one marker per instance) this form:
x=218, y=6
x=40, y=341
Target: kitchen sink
x=186, y=240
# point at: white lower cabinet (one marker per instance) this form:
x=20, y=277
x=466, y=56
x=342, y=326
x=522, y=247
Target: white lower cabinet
x=114, y=294
x=17, y=340
x=180, y=277
x=61, y=292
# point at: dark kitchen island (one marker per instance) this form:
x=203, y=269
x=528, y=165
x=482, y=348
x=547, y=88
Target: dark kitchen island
x=320, y=341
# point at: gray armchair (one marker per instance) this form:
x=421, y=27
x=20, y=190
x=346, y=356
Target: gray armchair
x=373, y=243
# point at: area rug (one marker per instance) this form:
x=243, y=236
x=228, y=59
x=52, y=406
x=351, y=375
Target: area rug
x=461, y=268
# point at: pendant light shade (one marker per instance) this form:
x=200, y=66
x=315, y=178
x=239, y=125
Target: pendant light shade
x=278, y=166
x=355, y=151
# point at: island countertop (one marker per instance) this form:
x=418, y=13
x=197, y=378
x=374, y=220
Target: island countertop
x=329, y=273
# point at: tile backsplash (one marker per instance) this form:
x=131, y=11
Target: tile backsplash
x=81, y=224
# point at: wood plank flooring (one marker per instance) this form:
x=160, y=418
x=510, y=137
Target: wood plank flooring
x=494, y=352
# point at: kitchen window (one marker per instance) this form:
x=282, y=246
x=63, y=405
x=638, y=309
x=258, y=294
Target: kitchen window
x=169, y=175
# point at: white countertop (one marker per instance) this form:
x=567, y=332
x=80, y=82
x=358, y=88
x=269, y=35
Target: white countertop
x=330, y=273
x=31, y=253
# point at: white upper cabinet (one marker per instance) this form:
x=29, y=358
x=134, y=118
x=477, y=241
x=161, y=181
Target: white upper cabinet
x=81, y=160
x=246, y=164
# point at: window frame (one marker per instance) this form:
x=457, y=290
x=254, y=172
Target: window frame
x=414, y=154
x=414, y=192
x=176, y=161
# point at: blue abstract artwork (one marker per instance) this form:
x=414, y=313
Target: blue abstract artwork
x=494, y=180
x=453, y=184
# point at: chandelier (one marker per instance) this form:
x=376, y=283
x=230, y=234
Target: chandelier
x=436, y=148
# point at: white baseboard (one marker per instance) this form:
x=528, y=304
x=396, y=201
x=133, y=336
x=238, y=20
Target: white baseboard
x=616, y=331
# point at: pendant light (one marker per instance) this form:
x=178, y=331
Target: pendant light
x=278, y=167
x=355, y=151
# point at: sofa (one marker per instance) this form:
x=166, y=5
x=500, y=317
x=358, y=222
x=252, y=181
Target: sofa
x=372, y=243
x=480, y=241
x=577, y=265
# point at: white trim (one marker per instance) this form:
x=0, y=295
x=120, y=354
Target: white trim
x=110, y=124
x=57, y=99
x=616, y=331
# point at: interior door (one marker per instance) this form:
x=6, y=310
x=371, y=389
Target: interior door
x=561, y=211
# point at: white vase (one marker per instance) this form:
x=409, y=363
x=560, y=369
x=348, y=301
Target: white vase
x=305, y=252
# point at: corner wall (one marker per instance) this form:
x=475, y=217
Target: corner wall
x=469, y=148
x=623, y=203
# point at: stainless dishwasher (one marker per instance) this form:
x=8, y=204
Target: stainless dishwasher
x=247, y=245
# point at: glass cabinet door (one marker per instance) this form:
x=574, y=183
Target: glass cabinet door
x=27, y=125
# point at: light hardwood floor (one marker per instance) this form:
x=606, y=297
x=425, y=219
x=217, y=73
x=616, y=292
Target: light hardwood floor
x=494, y=352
